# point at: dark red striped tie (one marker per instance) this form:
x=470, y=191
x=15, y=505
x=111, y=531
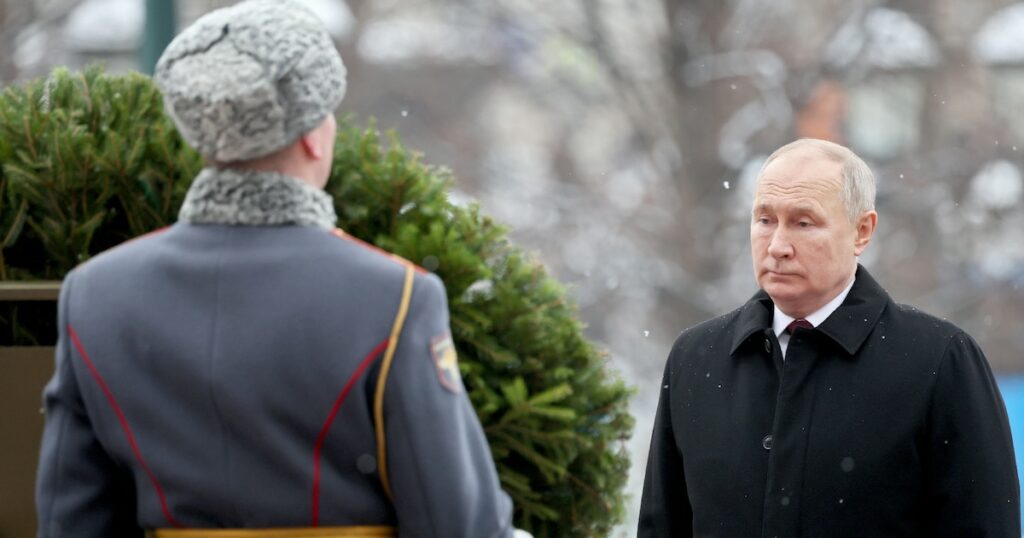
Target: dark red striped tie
x=798, y=324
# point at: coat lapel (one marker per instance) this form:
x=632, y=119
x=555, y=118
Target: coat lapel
x=851, y=323
x=754, y=317
x=849, y=326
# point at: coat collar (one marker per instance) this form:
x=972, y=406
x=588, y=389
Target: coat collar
x=849, y=326
x=254, y=198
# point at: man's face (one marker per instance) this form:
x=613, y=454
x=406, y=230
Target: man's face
x=804, y=246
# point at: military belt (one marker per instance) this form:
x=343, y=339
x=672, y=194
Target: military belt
x=364, y=531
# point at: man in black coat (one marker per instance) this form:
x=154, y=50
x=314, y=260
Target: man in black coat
x=821, y=407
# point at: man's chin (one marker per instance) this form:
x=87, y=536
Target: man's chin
x=781, y=292
x=780, y=281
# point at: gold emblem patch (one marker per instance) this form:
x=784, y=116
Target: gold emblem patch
x=442, y=350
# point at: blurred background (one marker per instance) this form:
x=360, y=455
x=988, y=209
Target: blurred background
x=620, y=139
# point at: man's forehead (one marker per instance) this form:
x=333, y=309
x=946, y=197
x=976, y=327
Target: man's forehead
x=795, y=193
x=796, y=185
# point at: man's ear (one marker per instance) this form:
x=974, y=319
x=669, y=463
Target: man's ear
x=310, y=145
x=865, y=230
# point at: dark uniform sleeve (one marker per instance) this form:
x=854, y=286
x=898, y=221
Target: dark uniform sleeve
x=972, y=477
x=442, y=474
x=665, y=507
x=80, y=491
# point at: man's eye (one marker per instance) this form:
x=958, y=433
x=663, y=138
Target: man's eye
x=803, y=224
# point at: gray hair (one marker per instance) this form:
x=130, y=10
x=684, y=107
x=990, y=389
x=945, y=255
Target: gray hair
x=858, y=179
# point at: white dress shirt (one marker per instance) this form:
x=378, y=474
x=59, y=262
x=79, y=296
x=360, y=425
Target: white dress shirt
x=781, y=320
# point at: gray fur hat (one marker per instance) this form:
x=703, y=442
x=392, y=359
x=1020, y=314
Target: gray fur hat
x=247, y=80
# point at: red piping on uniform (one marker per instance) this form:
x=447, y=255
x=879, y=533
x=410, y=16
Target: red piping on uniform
x=124, y=425
x=330, y=418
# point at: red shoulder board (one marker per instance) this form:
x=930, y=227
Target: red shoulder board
x=339, y=233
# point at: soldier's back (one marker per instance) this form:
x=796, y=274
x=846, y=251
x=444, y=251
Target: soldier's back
x=238, y=358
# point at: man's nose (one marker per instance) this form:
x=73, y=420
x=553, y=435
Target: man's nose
x=779, y=246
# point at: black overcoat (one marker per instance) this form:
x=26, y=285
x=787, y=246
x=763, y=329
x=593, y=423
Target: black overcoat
x=881, y=421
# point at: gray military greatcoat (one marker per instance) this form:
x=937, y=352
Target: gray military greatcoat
x=222, y=373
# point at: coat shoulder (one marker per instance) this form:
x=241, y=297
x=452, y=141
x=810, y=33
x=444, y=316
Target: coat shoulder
x=913, y=320
x=126, y=254
x=921, y=337
x=375, y=260
x=712, y=332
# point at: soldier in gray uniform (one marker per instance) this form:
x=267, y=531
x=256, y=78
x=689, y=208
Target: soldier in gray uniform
x=252, y=367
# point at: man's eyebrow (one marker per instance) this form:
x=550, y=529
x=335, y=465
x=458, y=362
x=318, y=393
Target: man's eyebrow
x=806, y=209
x=800, y=209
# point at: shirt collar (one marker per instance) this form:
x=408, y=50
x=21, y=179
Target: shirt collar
x=781, y=320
